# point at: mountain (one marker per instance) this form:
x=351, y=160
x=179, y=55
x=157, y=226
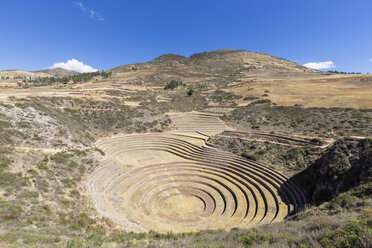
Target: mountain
x=58, y=72
x=20, y=74
x=226, y=139
x=221, y=66
x=251, y=76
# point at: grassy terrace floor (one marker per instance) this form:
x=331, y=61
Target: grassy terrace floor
x=173, y=182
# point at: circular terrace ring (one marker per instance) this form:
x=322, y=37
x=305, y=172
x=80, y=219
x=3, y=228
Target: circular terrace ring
x=205, y=189
x=166, y=194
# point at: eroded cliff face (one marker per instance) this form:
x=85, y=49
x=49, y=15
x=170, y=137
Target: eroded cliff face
x=343, y=166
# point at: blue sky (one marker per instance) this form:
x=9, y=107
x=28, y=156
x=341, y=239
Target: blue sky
x=35, y=34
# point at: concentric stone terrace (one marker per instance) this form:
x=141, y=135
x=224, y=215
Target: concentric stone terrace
x=205, y=123
x=173, y=182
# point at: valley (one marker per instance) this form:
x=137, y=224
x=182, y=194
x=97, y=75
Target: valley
x=227, y=148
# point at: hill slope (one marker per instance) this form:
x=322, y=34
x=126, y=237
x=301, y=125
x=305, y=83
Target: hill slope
x=223, y=66
x=218, y=79
x=19, y=74
x=251, y=76
x=69, y=148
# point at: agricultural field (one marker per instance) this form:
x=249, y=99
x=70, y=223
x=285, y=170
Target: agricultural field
x=170, y=182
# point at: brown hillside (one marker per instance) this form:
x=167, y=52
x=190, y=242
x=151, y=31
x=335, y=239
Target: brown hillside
x=221, y=78
x=222, y=66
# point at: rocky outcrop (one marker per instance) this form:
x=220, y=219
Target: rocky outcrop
x=342, y=167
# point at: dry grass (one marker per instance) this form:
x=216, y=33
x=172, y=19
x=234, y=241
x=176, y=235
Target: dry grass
x=344, y=91
x=43, y=203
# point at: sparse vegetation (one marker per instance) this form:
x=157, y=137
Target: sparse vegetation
x=46, y=151
x=342, y=72
x=323, y=122
x=286, y=158
x=78, y=78
x=250, y=98
x=356, y=233
x=190, y=91
x=171, y=85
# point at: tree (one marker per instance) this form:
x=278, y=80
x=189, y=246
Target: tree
x=190, y=92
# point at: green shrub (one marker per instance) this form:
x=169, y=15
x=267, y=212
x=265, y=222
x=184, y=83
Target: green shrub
x=81, y=221
x=263, y=101
x=68, y=183
x=78, y=152
x=343, y=201
x=190, y=91
x=42, y=166
x=15, y=133
x=173, y=84
x=249, y=156
x=10, y=211
x=250, y=98
x=4, y=124
x=79, y=78
x=339, y=164
x=60, y=157
x=4, y=161
x=353, y=234
x=12, y=179
x=252, y=238
x=32, y=238
x=24, y=124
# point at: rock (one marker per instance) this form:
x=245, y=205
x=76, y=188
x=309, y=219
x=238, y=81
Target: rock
x=340, y=168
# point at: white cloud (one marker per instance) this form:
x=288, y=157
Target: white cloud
x=80, y=5
x=74, y=65
x=95, y=15
x=320, y=65
x=370, y=60
x=92, y=14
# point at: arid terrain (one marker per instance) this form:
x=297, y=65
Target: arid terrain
x=227, y=148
